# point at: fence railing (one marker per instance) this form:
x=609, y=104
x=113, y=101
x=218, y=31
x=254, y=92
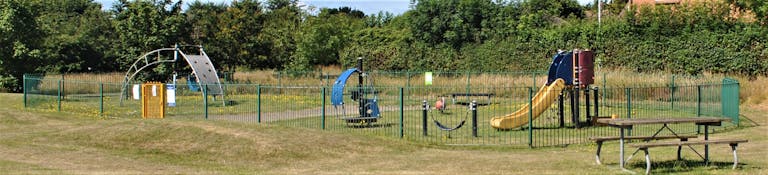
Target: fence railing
x=402, y=108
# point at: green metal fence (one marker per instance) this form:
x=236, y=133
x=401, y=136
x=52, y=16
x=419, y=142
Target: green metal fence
x=402, y=107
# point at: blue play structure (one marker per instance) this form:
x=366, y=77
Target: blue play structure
x=561, y=68
x=363, y=94
x=192, y=83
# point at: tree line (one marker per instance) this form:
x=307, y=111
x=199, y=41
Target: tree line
x=67, y=36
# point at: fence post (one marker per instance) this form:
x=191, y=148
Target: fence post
x=698, y=107
x=628, y=91
x=424, y=108
x=58, y=97
x=530, y=117
x=258, y=103
x=672, y=93
x=604, y=89
x=205, y=100
x=24, y=88
x=401, y=112
x=322, y=115
x=101, y=99
x=473, y=106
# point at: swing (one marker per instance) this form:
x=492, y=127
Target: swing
x=446, y=128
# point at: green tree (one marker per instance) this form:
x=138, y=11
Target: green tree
x=142, y=26
x=241, y=34
x=322, y=38
x=78, y=33
x=20, y=42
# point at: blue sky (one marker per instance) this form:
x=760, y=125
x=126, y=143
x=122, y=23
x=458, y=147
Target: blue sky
x=367, y=6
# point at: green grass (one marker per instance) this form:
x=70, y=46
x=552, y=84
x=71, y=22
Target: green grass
x=49, y=142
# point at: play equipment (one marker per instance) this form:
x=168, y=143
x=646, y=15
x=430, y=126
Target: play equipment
x=427, y=111
x=202, y=67
x=364, y=94
x=153, y=100
x=570, y=72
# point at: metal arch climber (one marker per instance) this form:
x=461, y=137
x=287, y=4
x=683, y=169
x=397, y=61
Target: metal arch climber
x=201, y=64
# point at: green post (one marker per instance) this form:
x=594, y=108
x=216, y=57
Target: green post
x=401, y=112
x=628, y=91
x=322, y=114
x=468, y=84
x=258, y=103
x=24, y=82
x=408, y=79
x=101, y=99
x=534, y=79
x=530, y=117
x=604, y=89
x=205, y=100
x=58, y=99
x=698, y=107
x=672, y=93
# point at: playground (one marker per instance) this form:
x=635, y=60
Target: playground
x=555, y=110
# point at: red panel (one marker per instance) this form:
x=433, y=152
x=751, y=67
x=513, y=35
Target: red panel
x=587, y=63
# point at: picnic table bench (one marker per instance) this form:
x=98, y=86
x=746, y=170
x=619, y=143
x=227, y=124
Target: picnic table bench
x=600, y=140
x=454, y=95
x=732, y=142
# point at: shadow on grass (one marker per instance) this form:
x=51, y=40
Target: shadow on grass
x=680, y=166
x=374, y=125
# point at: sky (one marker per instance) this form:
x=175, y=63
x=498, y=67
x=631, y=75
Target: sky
x=367, y=6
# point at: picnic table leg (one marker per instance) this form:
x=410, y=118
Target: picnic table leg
x=597, y=155
x=680, y=148
x=706, y=146
x=647, y=161
x=621, y=148
x=735, y=158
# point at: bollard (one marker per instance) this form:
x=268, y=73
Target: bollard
x=424, y=109
x=473, y=107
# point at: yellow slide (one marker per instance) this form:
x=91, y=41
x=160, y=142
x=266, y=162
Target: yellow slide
x=541, y=102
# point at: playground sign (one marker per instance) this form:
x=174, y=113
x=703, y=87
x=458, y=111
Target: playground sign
x=170, y=90
x=427, y=78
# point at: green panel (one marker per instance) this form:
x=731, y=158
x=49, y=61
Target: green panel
x=730, y=99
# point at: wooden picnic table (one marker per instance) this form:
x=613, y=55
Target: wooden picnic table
x=628, y=123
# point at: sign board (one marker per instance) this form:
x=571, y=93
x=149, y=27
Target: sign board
x=427, y=78
x=136, y=92
x=170, y=93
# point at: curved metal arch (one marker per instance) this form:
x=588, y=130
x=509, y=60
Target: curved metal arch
x=135, y=69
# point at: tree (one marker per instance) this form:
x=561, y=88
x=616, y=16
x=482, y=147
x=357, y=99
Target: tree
x=20, y=40
x=321, y=40
x=143, y=26
x=78, y=33
x=241, y=31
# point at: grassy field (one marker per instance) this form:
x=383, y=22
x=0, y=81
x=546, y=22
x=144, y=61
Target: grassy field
x=63, y=143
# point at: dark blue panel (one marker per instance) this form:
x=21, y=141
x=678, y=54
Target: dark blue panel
x=337, y=94
x=565, y=68
x=552, y=75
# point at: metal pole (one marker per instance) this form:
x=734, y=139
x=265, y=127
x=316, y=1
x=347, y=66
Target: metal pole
x=530, y=117
x=24, y=82
x=101, y=99
x=401, y=112
x=604, y=89
x=560, y=110
x=698, y=107
x=59, y=95
x=323, y=111
x=586, y=104
x=628, y=91
x=424, y=109
x=258, y=103
x=597, y=112
x=205, y=100
x=473, y=106
x=672, y=93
